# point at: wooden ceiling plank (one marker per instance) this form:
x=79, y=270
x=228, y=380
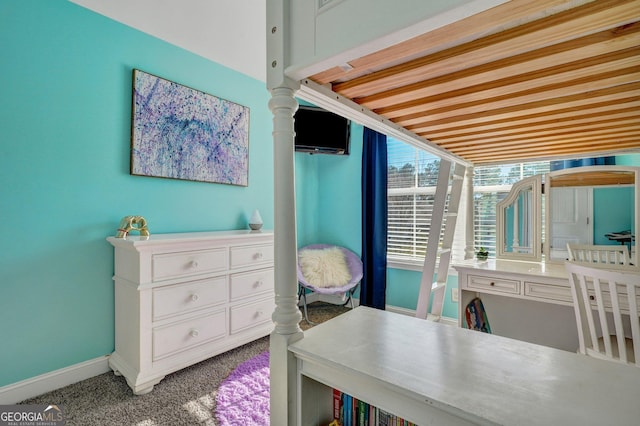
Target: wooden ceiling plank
x=578, y=22
x=593, y=150
x=488, y=22
x=526, y=130
x=572, y=152
x=450, y=107
x=603, y=143
x=540, y=85
x=536, y=157
x=519, y=102
x=590, y=150
x=527, y=133
x=606, y=112
x=573, y=51
x=609, y=98
x=542, y=142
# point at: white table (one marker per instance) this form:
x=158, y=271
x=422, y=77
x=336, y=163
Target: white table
x=524, y=300
x=432, y=373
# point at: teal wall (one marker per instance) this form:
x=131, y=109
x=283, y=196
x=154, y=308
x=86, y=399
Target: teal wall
x=607, y=219
x=403, y=287
x=628, y=160
x=331, y=194
x=64, y=173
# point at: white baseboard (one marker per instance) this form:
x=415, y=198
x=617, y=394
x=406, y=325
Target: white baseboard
x=29, y=388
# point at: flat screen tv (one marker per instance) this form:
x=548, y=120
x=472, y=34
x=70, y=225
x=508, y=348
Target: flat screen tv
x=319, y=131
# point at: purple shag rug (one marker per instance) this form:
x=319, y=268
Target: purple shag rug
x=243, y=397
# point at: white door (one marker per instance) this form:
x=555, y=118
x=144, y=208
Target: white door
x=571, y=219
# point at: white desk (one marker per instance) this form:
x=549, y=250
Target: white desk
x=529, y=301
x=432, y=373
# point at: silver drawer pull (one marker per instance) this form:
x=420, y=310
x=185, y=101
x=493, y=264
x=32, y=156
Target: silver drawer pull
x=193, y=264
x=194, y=297
x=259, y=283
x=194, y=333
x=258, y=255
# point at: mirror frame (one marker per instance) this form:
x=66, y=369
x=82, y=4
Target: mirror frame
x=535, y=182
x=587, y=169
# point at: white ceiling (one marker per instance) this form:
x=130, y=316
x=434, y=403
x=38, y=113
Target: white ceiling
x=229, y=32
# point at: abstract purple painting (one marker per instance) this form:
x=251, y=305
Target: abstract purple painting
x=181, y=133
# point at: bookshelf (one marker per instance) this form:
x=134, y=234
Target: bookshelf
x=318, y=405
x=431, y=374
x=349, y=411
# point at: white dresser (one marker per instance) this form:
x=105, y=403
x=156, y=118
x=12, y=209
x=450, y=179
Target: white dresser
x=183, y=298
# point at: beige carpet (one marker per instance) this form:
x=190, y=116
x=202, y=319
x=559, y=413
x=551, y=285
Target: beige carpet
x=186, y=397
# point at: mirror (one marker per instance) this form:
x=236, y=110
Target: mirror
x=591, y=205
x=586, y=205
x=519, y=218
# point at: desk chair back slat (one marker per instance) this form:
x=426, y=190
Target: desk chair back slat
x=606, y=304
x=603, y=254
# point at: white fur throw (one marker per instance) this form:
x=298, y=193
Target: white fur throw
x=324, y=267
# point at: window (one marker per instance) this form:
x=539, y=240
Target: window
x=412, y=179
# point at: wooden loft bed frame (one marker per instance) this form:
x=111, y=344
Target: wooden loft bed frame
x=469, y=81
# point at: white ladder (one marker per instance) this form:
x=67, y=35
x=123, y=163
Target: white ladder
x=435, y=253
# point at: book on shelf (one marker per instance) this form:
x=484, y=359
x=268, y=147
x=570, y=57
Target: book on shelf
x=337, y=404
x=350, y=411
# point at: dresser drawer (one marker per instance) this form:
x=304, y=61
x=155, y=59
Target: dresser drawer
x=245, y=316
x=499, y=285
x=182, y=264
x=181, y=298
x=547, y=291
x=242, y=256
x=251, y=283
x=183, y=335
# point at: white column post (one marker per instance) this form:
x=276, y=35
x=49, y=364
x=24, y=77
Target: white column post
x=469, y=228
x=287, y=316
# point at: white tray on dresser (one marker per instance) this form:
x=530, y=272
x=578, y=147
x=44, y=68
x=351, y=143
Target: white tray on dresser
x=183, y=298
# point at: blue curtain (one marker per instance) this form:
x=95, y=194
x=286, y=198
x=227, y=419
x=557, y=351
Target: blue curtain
x=598, y=161
x=374, y=219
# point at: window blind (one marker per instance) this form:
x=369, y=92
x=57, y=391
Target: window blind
x=412, y=176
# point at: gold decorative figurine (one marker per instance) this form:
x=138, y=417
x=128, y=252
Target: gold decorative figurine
x=132, y=223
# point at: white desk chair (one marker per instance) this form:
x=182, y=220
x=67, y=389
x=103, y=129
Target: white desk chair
x=613, y=296
x=606, y=254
